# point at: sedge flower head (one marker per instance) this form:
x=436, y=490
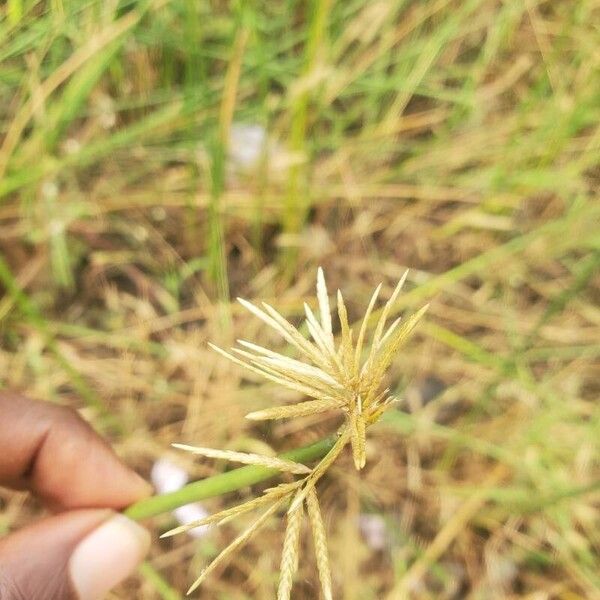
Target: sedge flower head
x=342, y=376
x=345, y=376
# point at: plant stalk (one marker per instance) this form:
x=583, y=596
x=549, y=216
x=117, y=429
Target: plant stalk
x=223, y=483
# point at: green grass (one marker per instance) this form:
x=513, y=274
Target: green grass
x=457, y=138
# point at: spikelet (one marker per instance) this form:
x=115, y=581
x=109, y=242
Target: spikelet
x=295, y=368
x=378, y=410
x=386, y=311
x=320, y=542
x=358, y=440
x=271, y=462
x=388, y=333
x=321, y=340
x=324, y=308
x=267, y=373
x=285, y=329
x=346, y=352
x=283, y=360
x=311, y=407
x=224, y=516
x=363, y=327
x=289, y=554
x=387, y=352
x=307, y=348
x=286, y=368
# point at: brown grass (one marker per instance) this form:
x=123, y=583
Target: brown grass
x=480, y=175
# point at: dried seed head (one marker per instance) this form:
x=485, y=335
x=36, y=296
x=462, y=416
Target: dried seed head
x=271, y=462
x=320, y=542
x=289, y=554
x=335, y=378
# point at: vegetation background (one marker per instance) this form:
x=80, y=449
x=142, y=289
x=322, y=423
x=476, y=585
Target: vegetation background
x=161, y=157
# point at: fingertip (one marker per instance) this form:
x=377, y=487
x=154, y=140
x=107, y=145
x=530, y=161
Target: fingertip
x=76, y=468
x=53, y=452
x=107, y=556
x=34, y=560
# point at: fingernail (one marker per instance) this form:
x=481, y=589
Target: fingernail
x=107, y=556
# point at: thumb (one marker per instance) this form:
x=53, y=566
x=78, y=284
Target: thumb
x=79, y=555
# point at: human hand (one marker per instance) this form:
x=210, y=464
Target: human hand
x=86, y=549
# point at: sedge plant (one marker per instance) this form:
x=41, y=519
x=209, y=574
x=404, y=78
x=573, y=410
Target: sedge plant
x=345, y=377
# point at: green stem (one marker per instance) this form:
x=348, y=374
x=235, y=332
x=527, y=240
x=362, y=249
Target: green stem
x=222, y=483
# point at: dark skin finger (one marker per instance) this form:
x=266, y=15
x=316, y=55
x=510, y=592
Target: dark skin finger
x=51, y=451
x=82, y=552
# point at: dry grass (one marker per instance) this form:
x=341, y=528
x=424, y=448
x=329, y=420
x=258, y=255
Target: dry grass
x=457, y=139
